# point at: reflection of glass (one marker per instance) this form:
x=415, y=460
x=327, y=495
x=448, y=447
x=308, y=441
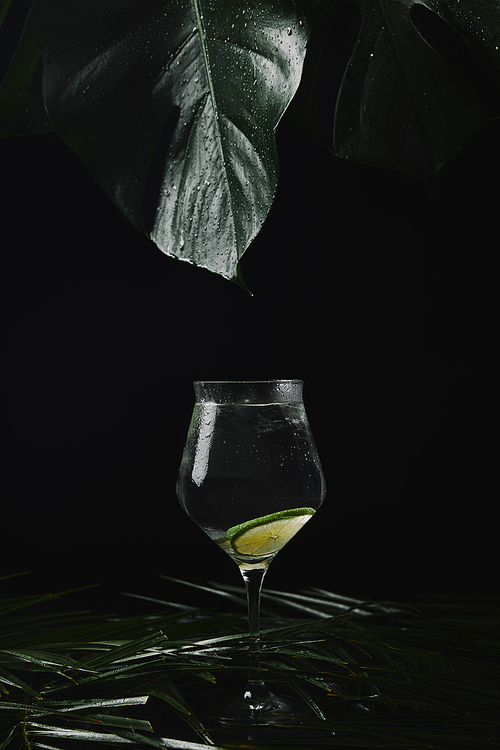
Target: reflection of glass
x=250, y=477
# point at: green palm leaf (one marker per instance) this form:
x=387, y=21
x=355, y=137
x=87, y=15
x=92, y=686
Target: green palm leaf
x=373, y=674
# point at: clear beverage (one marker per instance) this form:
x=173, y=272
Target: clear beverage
x=245, y=461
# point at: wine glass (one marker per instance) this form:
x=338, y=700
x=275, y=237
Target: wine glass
x=250, y=477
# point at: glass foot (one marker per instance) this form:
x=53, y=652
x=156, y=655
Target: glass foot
x=258, y=706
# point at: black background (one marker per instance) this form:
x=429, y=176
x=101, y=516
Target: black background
x=380, y=296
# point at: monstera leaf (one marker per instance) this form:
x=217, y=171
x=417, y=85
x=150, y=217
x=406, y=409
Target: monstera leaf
x=22, y=108
x=417, y=86
x=173, y=105
x=178, y=101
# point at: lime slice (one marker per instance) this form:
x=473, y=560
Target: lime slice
x=268, y=534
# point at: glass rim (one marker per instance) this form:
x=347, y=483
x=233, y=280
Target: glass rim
x=248, y=391
x=246, y=381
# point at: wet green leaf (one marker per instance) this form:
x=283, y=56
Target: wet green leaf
x=6, y=741
x=380, y=675
x=120, y=652
x=421, y=82
x=6, y=678
x=119, y=737
x=4, y=7
x=42, y=661
x=176, y=103
x=69, y=706
x=165, y=689
x=22, y=109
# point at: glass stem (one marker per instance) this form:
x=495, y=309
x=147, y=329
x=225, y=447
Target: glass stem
x=253, y=583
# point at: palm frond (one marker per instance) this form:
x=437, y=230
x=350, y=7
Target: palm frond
x=373, y=674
